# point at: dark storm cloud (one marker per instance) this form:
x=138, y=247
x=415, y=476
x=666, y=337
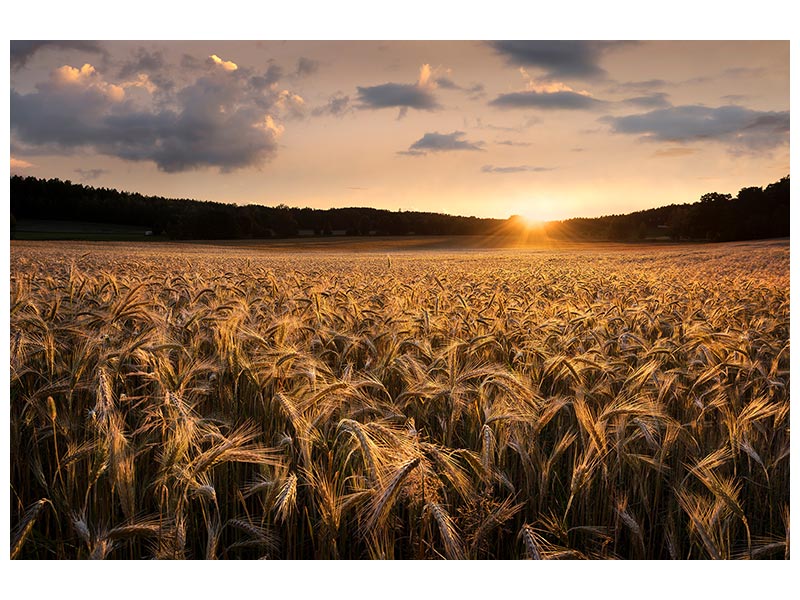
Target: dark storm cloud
x=306, y=66
x=559, y=59
x=23, y=50
x=739, y=127
x=337, y=105
x=656, y=100
x=515, y=169
x=397, y=95
x=442, y=142
x=217, y=121
x=546, y=100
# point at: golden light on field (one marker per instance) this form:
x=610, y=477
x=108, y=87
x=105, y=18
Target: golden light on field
x=170, y=401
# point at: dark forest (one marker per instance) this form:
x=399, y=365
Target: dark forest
x=754, y=213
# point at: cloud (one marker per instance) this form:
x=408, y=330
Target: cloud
x=390, y=95
x=306, y=66
x=293, y=105
x=271, y=76
x=447, y=84
x=735, y=98
x=512, y=143
x=752, y=74
x=216, y=121
x=546, y=100
x=337, y=105
x=642, y=87
x=146, y=69
x=417, y=95
x=85, y=78
x=548, y=95
x=142, y=81
x=424, y=80
x=191, y=63
x=738, y=127
x=745, y=72
x=143, y=61
x=23, y=50
x=526, y=124
x=90, y=174
x=698, y=80
x=515, y=169
x=226, y=65
x=655, y=100
x=476, y=90
x=17, y=164
x=441, y=142
x=473, y=92
x=558, y=59
x=674, y=152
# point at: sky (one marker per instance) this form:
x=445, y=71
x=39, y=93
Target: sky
x=545, y=129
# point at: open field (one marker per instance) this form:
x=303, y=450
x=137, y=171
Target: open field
x=248, y=400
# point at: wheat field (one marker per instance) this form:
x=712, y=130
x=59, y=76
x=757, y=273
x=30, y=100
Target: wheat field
x=205, y=402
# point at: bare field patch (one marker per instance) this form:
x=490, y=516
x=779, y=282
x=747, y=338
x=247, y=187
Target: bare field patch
x=199, y=401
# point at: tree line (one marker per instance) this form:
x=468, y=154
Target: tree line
x=752, y=214
x=33, y=198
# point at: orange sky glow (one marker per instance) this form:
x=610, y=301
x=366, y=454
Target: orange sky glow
x=546, y=130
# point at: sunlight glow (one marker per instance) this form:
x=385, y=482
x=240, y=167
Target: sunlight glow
x=18, y=163
x=530, y=220
x=67, y=77
x=225, y=64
